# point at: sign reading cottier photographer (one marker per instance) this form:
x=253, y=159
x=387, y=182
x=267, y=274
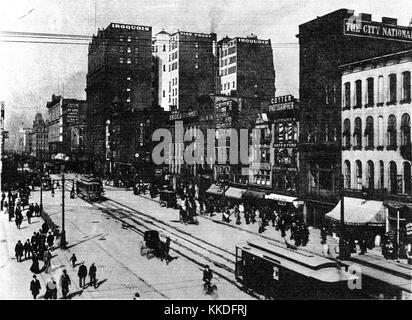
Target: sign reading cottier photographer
x=377, y=30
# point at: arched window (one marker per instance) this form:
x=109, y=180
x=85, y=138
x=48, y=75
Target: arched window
x=358, y=93
x=393, y=177
x=381, y=175
x=371, y=92
x=371, y=175
x=405, y=130
x=357, y=133
x=380, y=131
x=347, y=96
x=406, y=86
x=407, y=177
x=392, y=131
x=347, y=174
x=392, y=88
x=346, y=132
x=380, y=90
x=369, y=132
x=358, y=175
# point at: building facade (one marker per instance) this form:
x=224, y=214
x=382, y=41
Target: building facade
x=376, y=143
x=326, y=43
x=161, y=51
x=121, y=72
x=192, y=68
x=40, y=138
x=246, y=67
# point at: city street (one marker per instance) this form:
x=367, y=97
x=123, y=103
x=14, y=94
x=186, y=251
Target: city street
x=96, y=234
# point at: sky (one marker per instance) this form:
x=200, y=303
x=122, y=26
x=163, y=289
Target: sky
x=31, y=73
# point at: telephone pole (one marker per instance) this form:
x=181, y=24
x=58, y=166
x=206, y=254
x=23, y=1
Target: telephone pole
x=63, y=234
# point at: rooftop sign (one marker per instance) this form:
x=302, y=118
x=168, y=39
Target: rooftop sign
x=129, y=27
x=371, y=29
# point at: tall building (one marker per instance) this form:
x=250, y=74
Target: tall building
x=40, y=138
x=63, y=115
x=326, y=43
x=161, y=51
x=192, y=68
x=246, y=67
x=120, y=72
x=25, y=142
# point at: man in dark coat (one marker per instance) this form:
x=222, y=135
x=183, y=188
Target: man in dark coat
x=29, y=214
x=65, y=282
x=73, y=260
x=44, y=227
x=19, y=251
x=35, y=287
x=27, y=249
x=82, y=273
x=92, y=275
x=37, y=210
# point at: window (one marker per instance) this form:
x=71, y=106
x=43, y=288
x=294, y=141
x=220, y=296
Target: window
x=128, y=78
x=129, y=60
x=380, y=90
x=381, y=175
x=407, y=177
x=164, y=67
x=406, y=86
x=370, y=97
x=380, y=131
x=393, y=177
x=347, y=174
x=129, y=39
x=121, y=49
x=346, y=133
x=164, y=93
x=357, y=134
x=371, y=175
x=392, y=88
x=392, y=131
x=405, y=130
x=129, y=50
x=128, y=100
x=136, y=50
x=196, y=66
x=121, y=60
x=358, y=175
x=369, y=132
x=128, y=89
x=164, y=47
x=358, y=93
x=121, y=38
x=233, y=84
x=346, y=103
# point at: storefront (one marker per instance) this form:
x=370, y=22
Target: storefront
x=285, y=204
x=398, y=217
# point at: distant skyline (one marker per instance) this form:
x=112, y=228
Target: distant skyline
x=32, y=72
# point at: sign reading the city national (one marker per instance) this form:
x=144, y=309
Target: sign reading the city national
x=373, y=29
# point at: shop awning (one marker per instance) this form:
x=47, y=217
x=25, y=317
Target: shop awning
x=254, y=194
x=397, y=205
x=359, y=212
x=216, y=190
x=235, y=193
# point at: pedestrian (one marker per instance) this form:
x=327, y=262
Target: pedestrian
x=51, y=289
x=82, y=273
x=47, y=256
x=50, y=240
x=35, y=264
x=37, y=210
x=19, y=218
x=18, y=249
x=73, y=260
x=92, y=275
x=44, y=227
x=29, y=214
x=35, y=287
x=27, y=249
x=323, y=235
x=65, y=282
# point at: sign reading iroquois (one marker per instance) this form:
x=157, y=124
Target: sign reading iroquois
x=129, y=27
x=371, y=29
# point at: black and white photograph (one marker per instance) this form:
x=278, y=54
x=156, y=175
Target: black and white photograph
x=220, y=151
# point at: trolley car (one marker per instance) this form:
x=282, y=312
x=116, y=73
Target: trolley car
x=275, y=271
x=89, y=188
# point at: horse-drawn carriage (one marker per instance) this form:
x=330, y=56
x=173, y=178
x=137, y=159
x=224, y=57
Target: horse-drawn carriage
x=153, y=246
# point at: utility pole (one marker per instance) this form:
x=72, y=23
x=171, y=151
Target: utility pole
x=63, y=234
x=342, y=236
x=41, y=193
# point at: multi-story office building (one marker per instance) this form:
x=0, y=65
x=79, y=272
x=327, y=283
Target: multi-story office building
x=40, y=138
x=25, y=141
x=120, y=72
x=246, y=67
x=63, y=115
x=161, y=51
x=326, y=43
x=376, y=123
x=191, y=67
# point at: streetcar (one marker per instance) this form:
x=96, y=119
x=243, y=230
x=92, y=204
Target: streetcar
x=270, y=269
x=89, y=188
